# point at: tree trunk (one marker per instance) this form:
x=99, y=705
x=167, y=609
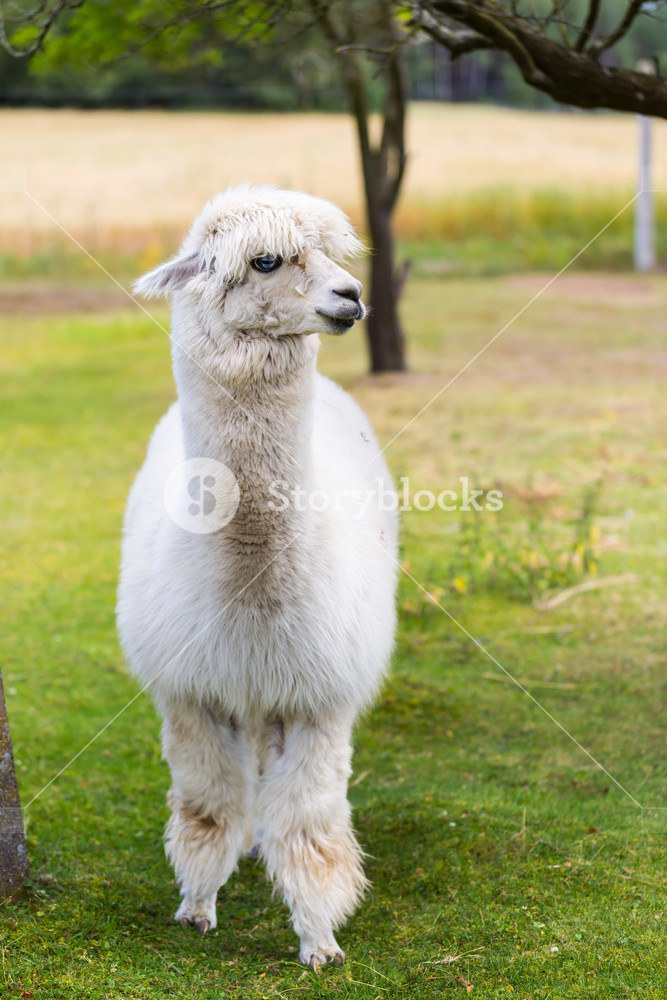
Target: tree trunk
x=386, y=342
x=13, y=853
x=382, y=168
x=382, y=164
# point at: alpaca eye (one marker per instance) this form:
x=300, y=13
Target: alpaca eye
x=266, y=263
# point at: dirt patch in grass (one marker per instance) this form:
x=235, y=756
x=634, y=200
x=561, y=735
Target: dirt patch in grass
x=397, y=380
x=34, y=300
x=624, y=290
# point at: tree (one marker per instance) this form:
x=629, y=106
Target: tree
x=351, y=28
x=14, y=867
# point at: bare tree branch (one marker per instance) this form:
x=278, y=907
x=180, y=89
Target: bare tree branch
x=593, y=9
x=560, y=21
x=615, y=36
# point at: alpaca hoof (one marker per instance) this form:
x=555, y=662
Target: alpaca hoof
x=201, y=915
x=319, y=955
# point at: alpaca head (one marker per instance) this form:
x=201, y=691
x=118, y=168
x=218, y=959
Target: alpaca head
x=265, y=261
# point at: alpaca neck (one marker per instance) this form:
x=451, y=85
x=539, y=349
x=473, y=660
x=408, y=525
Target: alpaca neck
x=246, y=401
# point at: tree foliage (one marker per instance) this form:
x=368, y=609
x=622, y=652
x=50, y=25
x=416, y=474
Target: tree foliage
x=181, y=53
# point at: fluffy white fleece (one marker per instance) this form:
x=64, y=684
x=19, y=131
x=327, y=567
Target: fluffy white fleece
x=262, y=641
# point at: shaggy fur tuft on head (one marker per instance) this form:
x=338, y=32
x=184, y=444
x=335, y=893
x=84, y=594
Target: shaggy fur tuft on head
x=250, y=221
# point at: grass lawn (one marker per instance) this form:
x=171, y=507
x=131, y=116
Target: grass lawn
x=505, y=862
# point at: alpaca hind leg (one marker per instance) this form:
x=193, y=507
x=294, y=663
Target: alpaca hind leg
x=213, y=776
x=307, y=841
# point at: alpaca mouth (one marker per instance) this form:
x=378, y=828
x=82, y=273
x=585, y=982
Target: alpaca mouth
x=341, y=324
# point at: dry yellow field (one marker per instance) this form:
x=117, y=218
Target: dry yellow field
x=111, y=177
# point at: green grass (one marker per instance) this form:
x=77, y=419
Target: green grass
x=501, y=857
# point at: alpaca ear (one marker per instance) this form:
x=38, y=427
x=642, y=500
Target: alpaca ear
x=168, y=277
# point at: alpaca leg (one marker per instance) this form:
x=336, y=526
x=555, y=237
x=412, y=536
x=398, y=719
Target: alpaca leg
x=213, y=774
x=307, y=840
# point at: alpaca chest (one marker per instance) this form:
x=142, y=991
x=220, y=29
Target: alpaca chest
x=263, y=660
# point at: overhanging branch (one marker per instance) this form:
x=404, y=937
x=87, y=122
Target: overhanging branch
x=565, y=73
x=457, y=41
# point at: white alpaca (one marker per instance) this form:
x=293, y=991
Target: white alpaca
x=263, y=640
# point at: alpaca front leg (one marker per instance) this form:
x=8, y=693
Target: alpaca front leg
x=307, y=840
x=213, y=774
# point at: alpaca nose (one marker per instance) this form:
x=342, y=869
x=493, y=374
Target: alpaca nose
x=351, y=291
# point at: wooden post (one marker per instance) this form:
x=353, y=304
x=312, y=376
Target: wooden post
x=644, y=213
x=14, y=868
x=644, y=220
